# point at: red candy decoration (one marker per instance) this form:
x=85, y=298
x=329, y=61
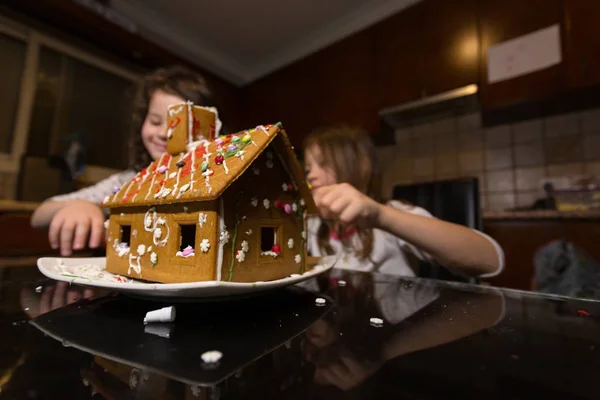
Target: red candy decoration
x=278, y=204
x=174, y=123
x=276, y=249
x=219, y=159
x=583, y=313
x=290, y=187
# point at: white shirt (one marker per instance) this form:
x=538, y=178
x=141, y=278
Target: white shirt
x=390, y=255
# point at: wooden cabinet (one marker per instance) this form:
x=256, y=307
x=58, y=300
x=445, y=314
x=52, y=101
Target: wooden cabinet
x=505, y=20
x=521, y=239
x=582, y=42
x=397, y=50
x=429, y=48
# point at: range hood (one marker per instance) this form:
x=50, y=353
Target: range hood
x=455, y=102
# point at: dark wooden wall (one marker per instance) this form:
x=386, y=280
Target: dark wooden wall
x=431, y=47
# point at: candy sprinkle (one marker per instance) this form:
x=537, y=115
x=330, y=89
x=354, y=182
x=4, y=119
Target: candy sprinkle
x=376, y=322
x=583, y=313
x=320, y=302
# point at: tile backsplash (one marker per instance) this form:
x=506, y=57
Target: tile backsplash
x=510, y=160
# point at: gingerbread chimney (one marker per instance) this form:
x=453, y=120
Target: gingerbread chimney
x=188, y=123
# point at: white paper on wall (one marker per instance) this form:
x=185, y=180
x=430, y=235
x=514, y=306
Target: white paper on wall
x=525, y=54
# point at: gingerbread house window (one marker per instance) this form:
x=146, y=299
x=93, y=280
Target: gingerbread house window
x=269, y=242
x=125, y=234
x=187, y=236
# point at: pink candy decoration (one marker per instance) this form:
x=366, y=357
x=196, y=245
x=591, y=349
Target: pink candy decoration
x=162, y=169
x=187, y=251
x=287, y=208
x=219, y=142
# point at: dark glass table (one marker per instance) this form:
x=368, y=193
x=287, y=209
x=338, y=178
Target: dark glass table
x=435, y=340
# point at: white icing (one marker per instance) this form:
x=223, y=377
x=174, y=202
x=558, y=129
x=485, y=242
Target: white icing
x=254, y=201
x=174, y=109
x=376, y=322
x=294, y=207
x=240, y=154
x=224, y=237
x=302, y=203
x=157, y=235
x=135, y=265
x=245, y=246
x=88, y=271
x=121, y=248
x=106, y=224
x=184, y=188
x=341, y=283
x=303, y=235
x=221, y=244
x=297, y=258
x=202, y=219
x=141, y=249
x=269, y=253
x=249, y=232
x=154, y=177
x=204, y=245
x=266, y=203
x=211, y=357
x=172, y=175
x=290, y=243
x=153, y=258
x=284, y=186
x=320, y=301
x=240, y=256
x=225, y=167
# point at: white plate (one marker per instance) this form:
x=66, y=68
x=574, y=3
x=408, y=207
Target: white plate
x=54, y=268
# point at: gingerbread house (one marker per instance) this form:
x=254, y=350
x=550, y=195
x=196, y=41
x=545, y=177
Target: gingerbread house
x=229, y=208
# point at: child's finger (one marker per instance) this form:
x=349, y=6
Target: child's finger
x=350, y=214
x=66, y=237
x=82, y=229
x=339, y=204
x=73, y=295
x=54, y=231
x=96, y=233
x=46, y=298
x=59, y=297
x=330, y=196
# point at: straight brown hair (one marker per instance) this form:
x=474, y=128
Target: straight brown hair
x=351, y=154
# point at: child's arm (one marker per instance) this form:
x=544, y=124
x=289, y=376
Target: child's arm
x=70, y=223
x=75, y=217
x=452, y=245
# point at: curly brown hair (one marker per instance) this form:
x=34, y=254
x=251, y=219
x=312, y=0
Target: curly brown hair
x=352, y=156
x=175, y=80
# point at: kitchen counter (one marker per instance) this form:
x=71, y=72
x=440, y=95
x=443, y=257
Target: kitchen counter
x=540, y=214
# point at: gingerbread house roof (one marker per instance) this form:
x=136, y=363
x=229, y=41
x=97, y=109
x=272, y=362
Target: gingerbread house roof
x=207, y=170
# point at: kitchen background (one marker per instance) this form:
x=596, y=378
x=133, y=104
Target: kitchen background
x=510, y=160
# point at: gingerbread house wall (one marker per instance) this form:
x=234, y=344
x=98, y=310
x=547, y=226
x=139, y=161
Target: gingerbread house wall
x=246, y=212
x=169, y=268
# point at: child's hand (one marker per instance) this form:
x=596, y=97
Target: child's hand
x=345, y=204
x=71, y=226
